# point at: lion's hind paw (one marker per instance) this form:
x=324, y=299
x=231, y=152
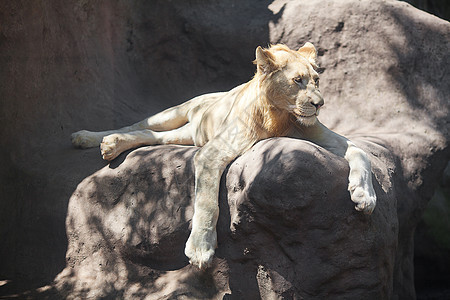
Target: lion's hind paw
x=85, y=139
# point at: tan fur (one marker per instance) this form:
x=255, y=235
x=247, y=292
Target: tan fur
x=282, y=99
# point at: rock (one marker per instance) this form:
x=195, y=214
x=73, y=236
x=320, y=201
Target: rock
x=383, y=63
x=287, y=228
x=97, y=66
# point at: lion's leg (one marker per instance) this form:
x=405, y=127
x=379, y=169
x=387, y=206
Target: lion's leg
x=360, y=176
x=210, y=162
x=169, y=119
x=202, y=241
x=360, y=179
x=114, y=144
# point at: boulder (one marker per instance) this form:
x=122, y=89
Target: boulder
x=287, y=227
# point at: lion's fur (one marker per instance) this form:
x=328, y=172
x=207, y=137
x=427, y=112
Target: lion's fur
x=282, y=99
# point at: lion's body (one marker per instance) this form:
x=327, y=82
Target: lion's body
x=283, y=99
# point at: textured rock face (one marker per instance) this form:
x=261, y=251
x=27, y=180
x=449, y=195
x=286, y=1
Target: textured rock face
x=287, y=228
x=98, y=66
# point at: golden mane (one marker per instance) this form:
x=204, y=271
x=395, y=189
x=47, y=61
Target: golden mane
x=260, y=116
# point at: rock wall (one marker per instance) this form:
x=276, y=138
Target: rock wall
x=100, y=65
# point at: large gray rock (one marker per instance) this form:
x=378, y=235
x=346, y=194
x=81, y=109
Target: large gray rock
x=87, y=65
x=287, y=228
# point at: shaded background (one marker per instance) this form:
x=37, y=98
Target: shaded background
x=432, y=240
x=67, y=66
x=80, y=65
x=436, y=7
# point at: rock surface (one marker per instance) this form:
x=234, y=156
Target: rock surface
x=281, y=233
x=86, y=65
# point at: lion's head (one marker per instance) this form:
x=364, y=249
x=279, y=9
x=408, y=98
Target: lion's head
x=290, y=81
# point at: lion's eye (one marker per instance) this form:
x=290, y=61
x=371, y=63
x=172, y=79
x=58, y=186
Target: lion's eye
x=299, y=81
x=317, y=81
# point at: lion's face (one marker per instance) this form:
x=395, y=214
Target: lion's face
x=290, y=81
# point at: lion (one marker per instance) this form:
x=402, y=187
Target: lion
x=281, y=100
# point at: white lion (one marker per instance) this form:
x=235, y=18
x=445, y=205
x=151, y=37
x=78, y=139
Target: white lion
x=282, y=99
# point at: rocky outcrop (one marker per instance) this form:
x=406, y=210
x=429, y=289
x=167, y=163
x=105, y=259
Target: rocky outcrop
x=287, y=225
x=287, y=228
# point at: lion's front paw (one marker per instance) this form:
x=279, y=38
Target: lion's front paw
x=111, y=146
x=85, y=139
x=364, y=197
x=200, y=247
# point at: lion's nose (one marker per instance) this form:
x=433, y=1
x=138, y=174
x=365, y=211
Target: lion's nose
x=317, y=102
x=317, y=105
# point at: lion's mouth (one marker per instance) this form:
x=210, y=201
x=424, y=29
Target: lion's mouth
x=305, y=116
x=311, y=114
x=304, y=112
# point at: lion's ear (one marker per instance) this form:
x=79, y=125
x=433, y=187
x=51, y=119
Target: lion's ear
x=265, y=61
x=309, y=52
